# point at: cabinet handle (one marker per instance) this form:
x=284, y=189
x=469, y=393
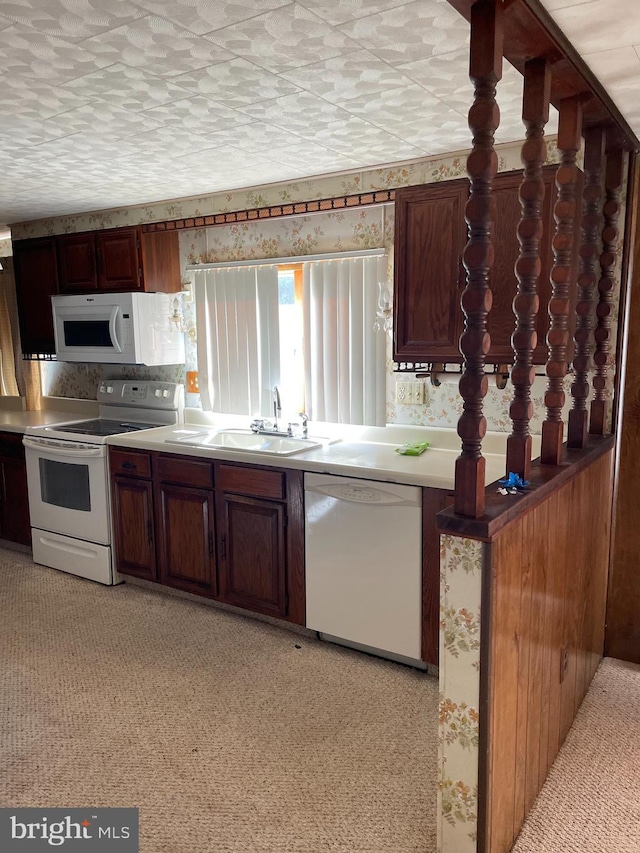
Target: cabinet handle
x=223, y=547
x=129, y=466
x=150, y=532
x=211, y=544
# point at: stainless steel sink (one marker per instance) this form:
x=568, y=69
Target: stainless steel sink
x=246, y=441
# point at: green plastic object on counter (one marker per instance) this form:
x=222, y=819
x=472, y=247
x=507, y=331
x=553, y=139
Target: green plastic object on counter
x=413, y=449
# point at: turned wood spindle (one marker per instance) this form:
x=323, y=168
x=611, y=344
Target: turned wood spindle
x=567, y=178
x=535, y=115
x=485, y=69
x=610, y=237
x=588, y=275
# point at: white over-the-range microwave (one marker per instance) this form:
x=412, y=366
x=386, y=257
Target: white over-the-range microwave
x=119, y=328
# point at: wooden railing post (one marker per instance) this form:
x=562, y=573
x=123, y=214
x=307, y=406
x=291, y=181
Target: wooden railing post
x=589, y=253
x=569, y=138
x=485, y=69
x=606, y=284
x=535, y=115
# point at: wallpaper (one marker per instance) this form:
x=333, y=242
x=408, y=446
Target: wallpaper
x=366, y=228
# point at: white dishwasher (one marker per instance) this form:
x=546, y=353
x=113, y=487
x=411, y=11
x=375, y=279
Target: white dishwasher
x=363, y=542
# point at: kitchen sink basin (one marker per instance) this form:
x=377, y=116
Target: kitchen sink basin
x=246, y=441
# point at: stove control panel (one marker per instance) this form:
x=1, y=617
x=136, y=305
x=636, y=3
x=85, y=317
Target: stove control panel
x=146, y=393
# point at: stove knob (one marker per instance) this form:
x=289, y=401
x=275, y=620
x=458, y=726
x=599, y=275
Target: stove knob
x=158, y=392
x=109, y=389
x=165, y=393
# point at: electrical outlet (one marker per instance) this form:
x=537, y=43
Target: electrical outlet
x=410, y=393
x=192, y=382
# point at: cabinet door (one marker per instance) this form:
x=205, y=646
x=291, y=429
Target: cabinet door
x=14, y=502
x=36, y=273
x=77, y=263
x=118, y=259
x=186, y=538
x=429, y=241
x=252, y=553
x=133, y=527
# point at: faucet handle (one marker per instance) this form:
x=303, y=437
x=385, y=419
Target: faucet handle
x=256, y=424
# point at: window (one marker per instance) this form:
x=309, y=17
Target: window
x=307, y=327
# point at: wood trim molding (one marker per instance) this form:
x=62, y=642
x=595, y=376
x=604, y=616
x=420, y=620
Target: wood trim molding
x=530, y=31
x=503, y=510
x=274, y=211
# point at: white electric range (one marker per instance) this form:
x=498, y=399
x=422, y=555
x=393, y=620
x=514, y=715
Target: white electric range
x=68, y=478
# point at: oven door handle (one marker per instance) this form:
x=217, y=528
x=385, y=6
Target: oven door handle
x=66, y=449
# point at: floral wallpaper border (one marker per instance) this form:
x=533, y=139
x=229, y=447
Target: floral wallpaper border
x=461, y=566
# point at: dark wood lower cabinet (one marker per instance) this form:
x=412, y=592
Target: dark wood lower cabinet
x=252, y=553
x=133, y=527
x=14, y=499
x=240, y=541
x=185, y=538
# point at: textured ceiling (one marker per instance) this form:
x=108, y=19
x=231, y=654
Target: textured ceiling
x=107, y=103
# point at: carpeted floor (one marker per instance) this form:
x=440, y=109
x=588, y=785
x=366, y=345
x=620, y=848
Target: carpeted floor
x=590, y=802
x=229, y=734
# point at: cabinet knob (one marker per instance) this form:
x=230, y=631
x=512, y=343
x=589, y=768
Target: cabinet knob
x=129, y=466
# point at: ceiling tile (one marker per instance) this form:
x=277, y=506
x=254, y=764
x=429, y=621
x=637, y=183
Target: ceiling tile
x=103, y=119
x=39, y=100
x=123, y=86
x=337, y=12
x=204, y=16
x=197, y=115
x=351, y=76
x=156, y=45
x=254, y=137
x=411, y=32
x=236, y=83
x=612, y=29
x=316, y=156
x=283, y=39
x=69, y=19
x=26, y=53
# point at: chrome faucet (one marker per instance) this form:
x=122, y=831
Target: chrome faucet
x=277, y=409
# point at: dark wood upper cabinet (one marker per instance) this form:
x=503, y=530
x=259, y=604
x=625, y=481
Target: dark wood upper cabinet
x=430, y=237
x=77, y=263
x=118, y=260
x=36, y=275
x=429, y=240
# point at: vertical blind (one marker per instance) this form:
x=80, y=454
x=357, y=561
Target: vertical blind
x=237, y=316
x=344, y=356
x=238, y=339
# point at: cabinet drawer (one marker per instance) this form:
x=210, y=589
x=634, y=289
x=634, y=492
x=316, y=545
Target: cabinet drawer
x=11, y=445
x=130, y=463
x=189, y=472
x=251, y=481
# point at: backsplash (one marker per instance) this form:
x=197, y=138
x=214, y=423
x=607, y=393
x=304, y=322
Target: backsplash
x=364, y=228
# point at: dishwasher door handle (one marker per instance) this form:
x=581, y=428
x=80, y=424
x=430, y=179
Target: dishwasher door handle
x=357, y=493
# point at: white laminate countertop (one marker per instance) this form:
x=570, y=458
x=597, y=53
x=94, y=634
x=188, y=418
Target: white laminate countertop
x=358, y=455
x=55, y=410
x=19, y=421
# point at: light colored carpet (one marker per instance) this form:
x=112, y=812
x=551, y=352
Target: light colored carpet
x=590, y=802
x=229, y=734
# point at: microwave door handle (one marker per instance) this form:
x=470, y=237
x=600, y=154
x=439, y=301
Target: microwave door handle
x=112, y=329
x=62, y=449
